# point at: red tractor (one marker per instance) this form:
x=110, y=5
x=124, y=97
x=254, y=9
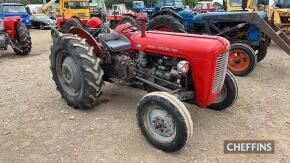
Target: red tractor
x=14, y=33
x=165, y=64
x=121, y=15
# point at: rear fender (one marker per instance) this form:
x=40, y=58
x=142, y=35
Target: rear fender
x=89, y=39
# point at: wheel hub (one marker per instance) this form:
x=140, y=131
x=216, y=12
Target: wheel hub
x=71, y=73
x=238, y=60
x=161, y=122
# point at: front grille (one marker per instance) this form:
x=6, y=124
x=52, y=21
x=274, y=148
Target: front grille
x=285, y=19
x=220, y=72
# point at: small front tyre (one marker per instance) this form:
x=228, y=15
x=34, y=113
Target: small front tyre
x=228, y=94
x=164, y=121
x=242, y=59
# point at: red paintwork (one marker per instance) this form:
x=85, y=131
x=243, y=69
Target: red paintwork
x=89, y=39
x=209, y=7
x=114, y=17
x=199, y=50
x=95, y=22
x=132, y=14
x=10, y=25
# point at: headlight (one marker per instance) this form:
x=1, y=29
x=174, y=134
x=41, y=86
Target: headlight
x=1, y=25
x=183, y=67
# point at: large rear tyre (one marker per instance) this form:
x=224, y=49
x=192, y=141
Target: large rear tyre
x=72, y=23
x=242, y=59
x=131, y=20
x=164, y=121
x=76, y=71
x=228, y=95
x=23, y=41
x=166, y=23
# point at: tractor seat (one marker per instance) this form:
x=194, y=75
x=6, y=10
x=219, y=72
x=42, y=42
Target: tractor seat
x=115, y=42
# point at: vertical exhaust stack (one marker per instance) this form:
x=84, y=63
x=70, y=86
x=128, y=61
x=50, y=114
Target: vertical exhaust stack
x=142, y=18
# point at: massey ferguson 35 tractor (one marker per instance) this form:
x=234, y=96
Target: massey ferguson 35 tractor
x=162, y=63
x=13, y=32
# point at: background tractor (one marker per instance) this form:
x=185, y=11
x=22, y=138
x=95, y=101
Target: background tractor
x=98, y=9
x=249, y=33
x=15, y=9
x=278, y=11
x=13, y=32
x=164, y=64
x=121, y=15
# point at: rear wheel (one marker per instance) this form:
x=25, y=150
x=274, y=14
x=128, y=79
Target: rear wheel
x=72, y=23
x=131, y=20
x=242, y=59
x=164, y=121
x=76, y=71
x=166, y=23
x=228, y=94
x=23, y=41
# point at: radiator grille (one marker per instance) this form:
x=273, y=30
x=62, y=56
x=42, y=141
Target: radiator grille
x=220, y=72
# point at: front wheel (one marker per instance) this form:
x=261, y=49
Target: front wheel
x=242, y=59
x=164, y=121
x=228, y=94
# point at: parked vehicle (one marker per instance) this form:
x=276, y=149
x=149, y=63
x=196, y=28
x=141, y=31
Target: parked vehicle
x=249, y=32
x=13, y=32
x=162, y=63
x=121, y=15
x=205, y=6
x=42, y=21
x=278, y=11
x=14, y=9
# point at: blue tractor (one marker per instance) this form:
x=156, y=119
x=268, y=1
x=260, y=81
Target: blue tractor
x=160, y=5
x=248, y=32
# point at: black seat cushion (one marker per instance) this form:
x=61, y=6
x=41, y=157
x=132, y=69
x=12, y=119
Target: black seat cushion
x=115, y=41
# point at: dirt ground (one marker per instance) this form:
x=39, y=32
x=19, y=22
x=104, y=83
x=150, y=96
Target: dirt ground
x=36, y=125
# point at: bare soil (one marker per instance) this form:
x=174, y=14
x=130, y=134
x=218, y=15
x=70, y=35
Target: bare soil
x=36, y=125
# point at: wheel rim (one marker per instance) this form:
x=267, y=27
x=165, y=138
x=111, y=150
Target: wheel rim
x=159, y=124
x=68, y=74
x=238, y=60
x=162, y=28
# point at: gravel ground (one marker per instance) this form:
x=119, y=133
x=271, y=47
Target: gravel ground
x=36, y=125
